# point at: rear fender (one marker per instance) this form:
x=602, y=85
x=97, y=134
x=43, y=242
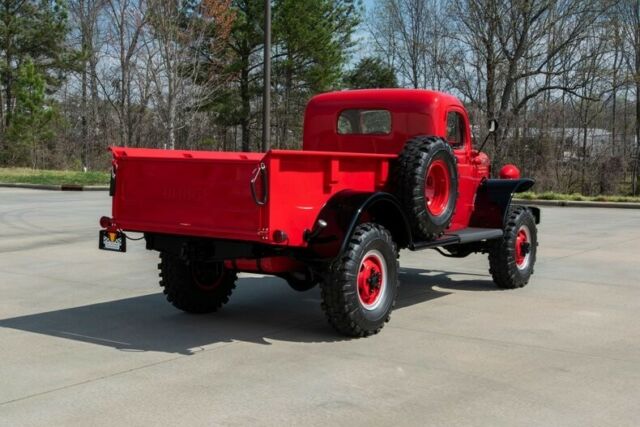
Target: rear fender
x=536, y=213
x=493, y=199
x=346, y=209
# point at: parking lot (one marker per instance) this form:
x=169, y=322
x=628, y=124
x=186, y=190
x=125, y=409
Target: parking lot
x=86, y=337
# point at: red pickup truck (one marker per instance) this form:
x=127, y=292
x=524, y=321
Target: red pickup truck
x=380, y=170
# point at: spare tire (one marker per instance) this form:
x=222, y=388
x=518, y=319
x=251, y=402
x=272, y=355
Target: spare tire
x=427, y=184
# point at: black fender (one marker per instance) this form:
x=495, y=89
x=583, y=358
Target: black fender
x=346, y=209
x=493, y=199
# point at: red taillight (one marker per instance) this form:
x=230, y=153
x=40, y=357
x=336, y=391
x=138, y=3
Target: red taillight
x=105, y=222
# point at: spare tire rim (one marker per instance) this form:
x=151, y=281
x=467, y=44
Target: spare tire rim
x=523, y=246
x=207, y=276
x=372, y=280
x=437, y=187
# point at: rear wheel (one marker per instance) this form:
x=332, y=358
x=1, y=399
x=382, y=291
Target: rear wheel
x=427, y=184
x=512, y=258
x=361, y=285
x=195, y=286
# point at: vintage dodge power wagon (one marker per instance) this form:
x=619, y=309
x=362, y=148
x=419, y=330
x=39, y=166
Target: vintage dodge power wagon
x=379, y=171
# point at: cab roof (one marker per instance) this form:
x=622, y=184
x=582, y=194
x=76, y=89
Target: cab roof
x=406, y=100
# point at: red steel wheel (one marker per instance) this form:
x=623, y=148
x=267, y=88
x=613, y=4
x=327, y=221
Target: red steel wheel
x=207, y=276
x=372, y=280
x=523, y=241
x=437, y=187
x=359, y=287
x=512, y=258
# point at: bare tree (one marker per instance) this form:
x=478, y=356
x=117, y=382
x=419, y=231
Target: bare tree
x=86, y=14
x=411, y=36
x=183, y=82
x=628, y=12
x=127, y=20
x=506, y=43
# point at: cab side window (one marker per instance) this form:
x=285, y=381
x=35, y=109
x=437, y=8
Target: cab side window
x=364, y=122
x=455, y=129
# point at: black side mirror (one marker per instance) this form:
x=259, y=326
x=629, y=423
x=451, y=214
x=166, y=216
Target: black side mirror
x=492, y=128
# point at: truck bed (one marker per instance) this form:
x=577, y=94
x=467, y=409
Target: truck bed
x=208, y=194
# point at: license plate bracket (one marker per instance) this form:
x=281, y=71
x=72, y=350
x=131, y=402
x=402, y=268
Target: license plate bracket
x=114, y=241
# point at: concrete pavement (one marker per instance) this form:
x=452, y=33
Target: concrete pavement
x=86, y=338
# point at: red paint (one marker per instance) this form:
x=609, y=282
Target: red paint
x=208, y=194
x=162, y=191
x=270, y=265
x=370, y=280
x=509, y=172
x=437, y=187
x=521, y=240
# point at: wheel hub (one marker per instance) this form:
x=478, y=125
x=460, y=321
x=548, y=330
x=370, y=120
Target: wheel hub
x=437, y=187
x=374, y=279
x=523, y=247
x=207, y=276
x=371, y=280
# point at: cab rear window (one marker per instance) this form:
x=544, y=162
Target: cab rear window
x=364, y=122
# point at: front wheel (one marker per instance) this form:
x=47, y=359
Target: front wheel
x=511, y=259
x=361, y=285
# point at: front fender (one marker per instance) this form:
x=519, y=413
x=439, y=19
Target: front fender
x=346, y=209
x=493, y=199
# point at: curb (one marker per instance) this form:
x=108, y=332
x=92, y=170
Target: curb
x=557, y=203
x=62, y=187
x=576, y=204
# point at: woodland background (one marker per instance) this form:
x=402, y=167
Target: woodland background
x=561, y=76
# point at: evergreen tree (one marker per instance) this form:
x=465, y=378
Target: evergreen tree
x=30, y=30
x=29, y=129
x=370, y=73
x=311, y=41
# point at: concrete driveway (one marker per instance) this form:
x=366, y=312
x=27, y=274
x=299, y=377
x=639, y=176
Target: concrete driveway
x=87, y=339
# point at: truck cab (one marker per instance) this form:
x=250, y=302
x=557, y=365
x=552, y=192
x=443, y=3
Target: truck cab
x=381, y=121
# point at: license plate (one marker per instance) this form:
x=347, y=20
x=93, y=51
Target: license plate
x=112, y=241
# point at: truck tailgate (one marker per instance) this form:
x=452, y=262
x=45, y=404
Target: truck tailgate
x=186, y=192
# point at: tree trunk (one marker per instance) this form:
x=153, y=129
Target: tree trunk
x=172, y=124
x=636, y=164
x=246, y=104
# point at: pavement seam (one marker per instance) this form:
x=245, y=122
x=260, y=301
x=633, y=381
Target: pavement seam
x=115, y=374
x=588, y=250
x=512, y=343
x=77, y=282
x=202, y=350
x=582, y=281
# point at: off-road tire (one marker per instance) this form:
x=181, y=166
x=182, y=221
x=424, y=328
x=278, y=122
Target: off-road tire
x=180, y=285
x=502, y=252
x=341, y=301
x=409, y=182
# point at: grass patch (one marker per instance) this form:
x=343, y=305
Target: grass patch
x=52, y=177
x=576, y=197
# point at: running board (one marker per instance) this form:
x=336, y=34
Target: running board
x=467, y=235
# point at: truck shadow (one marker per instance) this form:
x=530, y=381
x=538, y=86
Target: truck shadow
x=261, y=309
